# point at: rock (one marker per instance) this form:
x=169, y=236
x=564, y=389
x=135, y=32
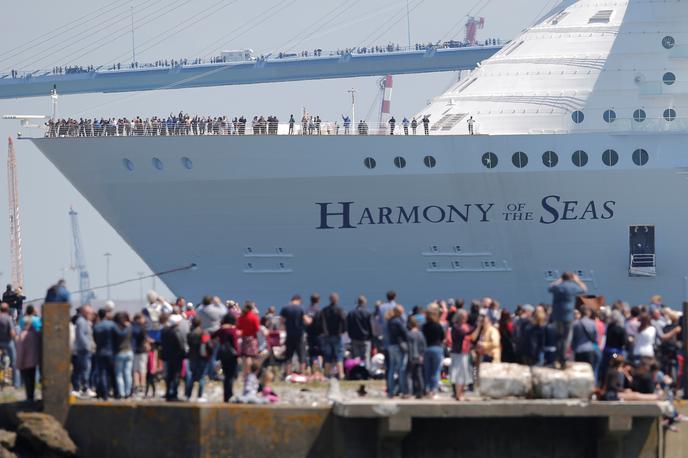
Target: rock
x=7, y=439
x=550, y=383
x=4, y=453
x=581, y=380
x=44, y=435
x=577, y=381
x=502, y=380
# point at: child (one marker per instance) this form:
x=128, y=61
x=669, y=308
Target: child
x=151, y=369
x=251, y=387
x=416, y=349
x=266, y=391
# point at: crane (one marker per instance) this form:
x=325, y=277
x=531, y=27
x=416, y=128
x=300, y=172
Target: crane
x=472, y=26
x=16, y=259
x=79, y=263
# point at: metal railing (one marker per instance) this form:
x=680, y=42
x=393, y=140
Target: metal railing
x=218, y=126
x=220, y=60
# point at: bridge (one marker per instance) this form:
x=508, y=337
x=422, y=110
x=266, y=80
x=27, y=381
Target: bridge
x=263, y=70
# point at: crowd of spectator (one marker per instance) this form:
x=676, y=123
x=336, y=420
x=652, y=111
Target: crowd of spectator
x=185, y=124
x=635, y=352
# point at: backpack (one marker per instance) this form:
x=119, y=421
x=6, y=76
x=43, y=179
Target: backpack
x=227, y=349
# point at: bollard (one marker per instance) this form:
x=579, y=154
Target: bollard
x=55, y=360
x=684, y=326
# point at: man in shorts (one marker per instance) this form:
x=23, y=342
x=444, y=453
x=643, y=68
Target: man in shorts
x=332, y=326
x=292, y=318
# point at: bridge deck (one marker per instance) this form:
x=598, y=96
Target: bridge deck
x=260, y=71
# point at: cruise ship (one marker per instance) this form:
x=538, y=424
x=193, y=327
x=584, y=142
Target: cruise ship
x=576, y=163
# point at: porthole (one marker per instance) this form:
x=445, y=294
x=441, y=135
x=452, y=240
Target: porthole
x=550, y=158
x=669, y=78
x=128, y=164
x=668, y=42
x=579, y=158
x=429, y=162
x=669, y=114
x=609, y=116
x=610, y=157
x=490, y=160
x=639, y=115
x=640, y=157
x=519, y=159
x=157, y=163
x=399, y=162
x=369, y=162
x=577, y=116
x=186, y=162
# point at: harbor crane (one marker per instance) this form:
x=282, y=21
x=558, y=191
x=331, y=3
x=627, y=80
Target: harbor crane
x=16, y=258
x=79, y=261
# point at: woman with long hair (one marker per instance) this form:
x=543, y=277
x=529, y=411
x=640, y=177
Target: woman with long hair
x=506, y=335
x=124, y=355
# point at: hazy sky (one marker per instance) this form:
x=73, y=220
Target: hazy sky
x=176, y=29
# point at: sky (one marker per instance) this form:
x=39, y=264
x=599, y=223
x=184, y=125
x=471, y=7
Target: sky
x=97, y=32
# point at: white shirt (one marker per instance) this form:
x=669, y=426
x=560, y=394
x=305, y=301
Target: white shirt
x=645, y=341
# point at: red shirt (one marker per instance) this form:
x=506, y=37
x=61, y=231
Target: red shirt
x=248, y=324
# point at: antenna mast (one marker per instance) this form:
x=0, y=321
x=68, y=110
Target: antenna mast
x=16, y=258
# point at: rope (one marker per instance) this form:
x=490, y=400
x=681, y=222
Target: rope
x=124, y=282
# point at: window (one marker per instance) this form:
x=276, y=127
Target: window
x=579, y=158
x=669, y=114
x=429, y=162
x=369, y=162
x=601, y=17
x=669, y=78
x=128, y=164
x=490, y=160
x=186, y=162
x=640, y=157
x=577, y=116
x=668, y=42
x=519, y=159
x=639, y=115
x=456, y=264
x=157, y=163
x=609, y=116
x=550, y=158
x=457, y=248
x=610, y=158
x=399, y=162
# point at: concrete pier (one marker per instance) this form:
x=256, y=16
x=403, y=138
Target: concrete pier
x=375, y=429
x=55, y=362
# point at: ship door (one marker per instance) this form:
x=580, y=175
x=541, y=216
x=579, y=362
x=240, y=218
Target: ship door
x=642, y=262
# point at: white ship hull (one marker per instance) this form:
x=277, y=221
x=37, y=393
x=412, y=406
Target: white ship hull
x=249, y=213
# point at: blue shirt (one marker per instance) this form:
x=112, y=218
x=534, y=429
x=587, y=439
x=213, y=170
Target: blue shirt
x=104, y=334
x=564, y=300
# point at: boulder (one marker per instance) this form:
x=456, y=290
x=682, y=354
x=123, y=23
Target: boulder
x=44, y=435
x=581, y=380
x=550, y=383
x=503, y=380
x=4, y=453
x=577, y=381
x=7, y=439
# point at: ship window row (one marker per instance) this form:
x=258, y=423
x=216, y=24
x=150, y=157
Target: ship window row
x=579, y=158
x=156, y=163
x=639, y=115
x=400, y=162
